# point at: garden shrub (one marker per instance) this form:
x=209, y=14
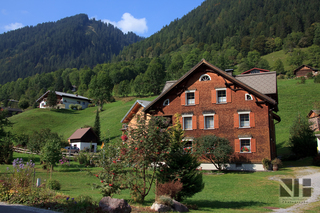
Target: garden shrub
x=317, y=79
x=165, y=200
x=171, y=188
x=85, y=158
x=53, y=184
x=266, y=163
x=309, y=75
x=6, y=149
x=302, y=140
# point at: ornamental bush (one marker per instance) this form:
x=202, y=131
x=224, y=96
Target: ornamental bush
x=53, y=184
x=302, y=141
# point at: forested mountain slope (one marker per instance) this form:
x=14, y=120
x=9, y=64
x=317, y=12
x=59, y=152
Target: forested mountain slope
x=242, y=24
x=70, y=42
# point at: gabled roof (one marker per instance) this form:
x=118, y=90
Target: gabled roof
x=134, y=109
x=315, y=111
x=265, y=82
x=249, y=71
x=303, y=65
x=225, y=75
x=62, y=94
x=168, y=85
x=79, y=133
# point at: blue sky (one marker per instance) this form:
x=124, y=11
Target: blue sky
x=143, y=17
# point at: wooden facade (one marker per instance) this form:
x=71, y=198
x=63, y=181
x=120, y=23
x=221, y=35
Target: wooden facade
x=211, y=101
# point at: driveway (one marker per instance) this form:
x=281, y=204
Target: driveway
x=304, y=172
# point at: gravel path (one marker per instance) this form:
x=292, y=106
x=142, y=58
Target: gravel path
x=304, y=172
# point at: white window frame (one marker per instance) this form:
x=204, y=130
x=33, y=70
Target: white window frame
x=183, y=121
x=225, y=98
x=245, y=138
x=204, y=120
x=188, y=147
x=194, y=97
x=204, y=75
x=166, y=102
x=244, y=113
x=248, y=95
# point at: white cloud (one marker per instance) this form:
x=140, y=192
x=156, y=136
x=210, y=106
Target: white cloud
x=130, y=23
x=4, y=12
x=13, y=26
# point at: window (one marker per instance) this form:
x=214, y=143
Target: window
x=205, y=77
x=190, y=98
x=65, y=100
x=83, y=103
x=244, y=120
x=221, y=96
x=78, y=102
x=248, y=97
x=245, y=145
x=208, y=121
x=166, y=102
x=187, y=123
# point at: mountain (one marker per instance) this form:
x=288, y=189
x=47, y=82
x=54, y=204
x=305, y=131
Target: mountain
x=243, y=24
x=70, y=42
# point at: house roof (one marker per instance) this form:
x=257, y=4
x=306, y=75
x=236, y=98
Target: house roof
x=134, y=109
x=62, y=94
x=225, y=75
x=261, y=70
x=315, y=111
x=79, y=133
x=168, y=85
x=303, y=65
x=265, y=82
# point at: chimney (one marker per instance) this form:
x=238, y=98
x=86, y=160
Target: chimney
x=229, y=71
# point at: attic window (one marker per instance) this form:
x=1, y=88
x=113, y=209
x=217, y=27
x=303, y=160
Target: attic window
x=205, y=77
x=248, y=97
x=166, y=102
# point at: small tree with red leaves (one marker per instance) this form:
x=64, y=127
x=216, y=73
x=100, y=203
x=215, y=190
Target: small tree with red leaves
x=144, y=152
x=113, y=177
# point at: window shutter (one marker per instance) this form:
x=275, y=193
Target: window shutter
x=196, y=97
x=236, y=120
x=236, y=145
x=181, y=122
x=253, y=145
x=194, y=122
x=213, y=96
x=216, y=121
x=183, y=98
x=201, y=122
x=228, y=95
x=252, y=121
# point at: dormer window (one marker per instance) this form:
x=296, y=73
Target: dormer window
x=205, y=77
x=166, y=102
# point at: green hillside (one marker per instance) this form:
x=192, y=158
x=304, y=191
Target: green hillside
x=65, y=122
x=294, y=98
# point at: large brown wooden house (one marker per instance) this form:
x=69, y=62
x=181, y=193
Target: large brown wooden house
x=239, y=108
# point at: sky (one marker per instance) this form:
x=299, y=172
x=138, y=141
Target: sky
x=143, y=17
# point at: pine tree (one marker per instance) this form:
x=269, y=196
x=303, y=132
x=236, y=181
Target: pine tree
x=97, y=126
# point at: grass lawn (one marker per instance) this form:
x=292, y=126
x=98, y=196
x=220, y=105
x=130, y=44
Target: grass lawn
x=294, y=98
x=231, y=192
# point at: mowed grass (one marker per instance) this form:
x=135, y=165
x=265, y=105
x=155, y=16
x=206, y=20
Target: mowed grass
x=65, y=122
x=230, y=192
x=294, y=99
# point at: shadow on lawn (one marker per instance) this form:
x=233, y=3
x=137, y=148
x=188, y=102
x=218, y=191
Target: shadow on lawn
x=224, y=205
